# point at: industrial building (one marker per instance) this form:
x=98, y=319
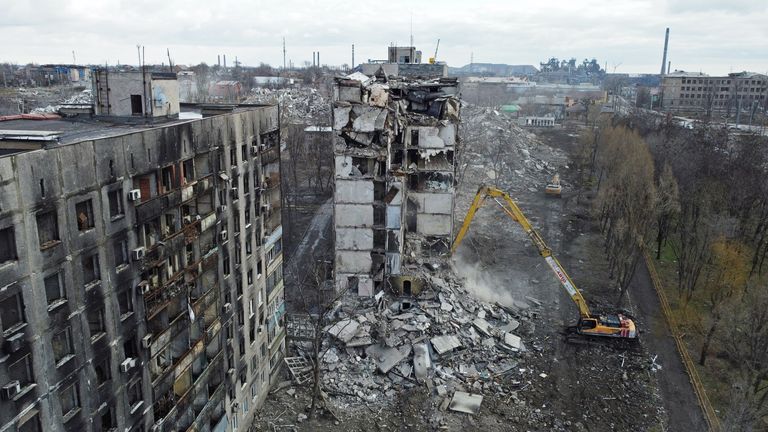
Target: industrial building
x=394, y=172
x=741, y=92
x=140, y=263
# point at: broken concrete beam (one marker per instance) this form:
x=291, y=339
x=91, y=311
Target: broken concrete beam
x=421, y=360
x=513, y=341
x=483, y=326
x=344, y=330
x=445, y=343
x=466, y=402
x=386, y=357
x=535, y=301
x=511, y=326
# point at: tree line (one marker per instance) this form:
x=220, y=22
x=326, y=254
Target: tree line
x=698, y=198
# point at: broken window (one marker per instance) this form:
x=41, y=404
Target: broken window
x=103, y=372
x=115, y=203
x=232, y=157
x=134, y=393
x=96, y=323
x=11, y=311
x=70, y=402
x=227, y=264
x=188, y=171
x=47, y=229
x=108, y=420
x=21, y=371
x=84, y=212
x=61, y=343
x=125, y=303
x=54, y=288
x=120, y=248
x=136, y=105
x=7, y=245
x=167, y=180
x=90, y=268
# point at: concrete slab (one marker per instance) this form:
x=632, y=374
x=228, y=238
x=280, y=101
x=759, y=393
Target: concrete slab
x=445, y=343
x=466, y=402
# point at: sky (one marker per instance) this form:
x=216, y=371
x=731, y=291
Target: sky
x=711, y=36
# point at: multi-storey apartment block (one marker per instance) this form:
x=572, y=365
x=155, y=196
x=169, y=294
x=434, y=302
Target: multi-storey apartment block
x=394, y=177
x=697, y=92
x=140, y=263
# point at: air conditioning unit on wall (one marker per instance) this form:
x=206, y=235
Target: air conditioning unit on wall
x=134, y=195
x=11, y=389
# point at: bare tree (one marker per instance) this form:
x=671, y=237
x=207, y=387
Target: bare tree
x=726, y=275
x=667, y=206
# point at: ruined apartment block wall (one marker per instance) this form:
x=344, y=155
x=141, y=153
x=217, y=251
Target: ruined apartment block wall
x=393, y=175
x=165, y=309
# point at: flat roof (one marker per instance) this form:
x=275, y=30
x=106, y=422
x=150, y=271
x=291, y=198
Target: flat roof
x=63, y=131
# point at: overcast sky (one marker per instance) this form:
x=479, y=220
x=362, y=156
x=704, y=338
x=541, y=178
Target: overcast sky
x=712, y=36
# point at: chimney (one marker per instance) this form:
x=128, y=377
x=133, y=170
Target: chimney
x=664, y=59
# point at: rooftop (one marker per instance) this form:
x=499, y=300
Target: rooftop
x=55, y=130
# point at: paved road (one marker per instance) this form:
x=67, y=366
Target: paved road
x=316, y=237
x=676, y=390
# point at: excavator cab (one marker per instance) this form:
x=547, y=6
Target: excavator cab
x=611, y=325
x=554, y=188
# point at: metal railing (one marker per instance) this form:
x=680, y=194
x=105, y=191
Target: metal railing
x=693, y=374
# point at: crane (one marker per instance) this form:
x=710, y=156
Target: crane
x=433, y=59
x=589, y=324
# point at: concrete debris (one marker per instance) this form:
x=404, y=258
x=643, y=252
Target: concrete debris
x=439, y=341
x=466, y=402
x=344, y=330
x=446, y=343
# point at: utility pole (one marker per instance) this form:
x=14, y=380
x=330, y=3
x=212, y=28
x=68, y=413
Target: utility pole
x=283, y=53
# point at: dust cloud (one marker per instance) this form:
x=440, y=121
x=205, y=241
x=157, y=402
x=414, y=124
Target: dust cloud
x=485, y=285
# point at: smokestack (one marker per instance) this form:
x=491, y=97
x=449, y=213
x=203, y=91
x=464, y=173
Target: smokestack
x=318, y=59
x=218, y=59
x=314, y=63
x=225, y=61
x=664, y=59
x=353, y=55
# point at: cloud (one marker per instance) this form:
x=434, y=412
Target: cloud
x=623, y=31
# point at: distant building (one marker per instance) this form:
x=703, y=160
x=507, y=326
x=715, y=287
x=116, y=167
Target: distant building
x=225, y=91
x=405, y=62
x=140, y=265
x=700, y=93
x=494, y=69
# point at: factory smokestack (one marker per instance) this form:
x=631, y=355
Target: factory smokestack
x=664, y=60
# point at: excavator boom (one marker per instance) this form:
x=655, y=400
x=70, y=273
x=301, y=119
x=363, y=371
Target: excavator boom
x=608, y=325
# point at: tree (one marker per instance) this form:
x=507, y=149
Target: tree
x=726, y=275
x=667, y=206
x=626, y=200
x=747, y=342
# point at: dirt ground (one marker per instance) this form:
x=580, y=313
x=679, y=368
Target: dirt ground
x=561, y=386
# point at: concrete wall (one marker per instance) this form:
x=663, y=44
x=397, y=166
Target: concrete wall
x=56, y=180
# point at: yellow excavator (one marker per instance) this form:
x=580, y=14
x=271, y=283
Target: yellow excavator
x=604, y=325
x=554, y=188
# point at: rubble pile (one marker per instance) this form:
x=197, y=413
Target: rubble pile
x=519, y=156
x=303, y=104
x=442, y=339
x=84, y=97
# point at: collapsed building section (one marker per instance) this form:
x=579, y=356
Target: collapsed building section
x=394, y=177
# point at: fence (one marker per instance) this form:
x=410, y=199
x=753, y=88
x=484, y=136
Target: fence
x=693, y=373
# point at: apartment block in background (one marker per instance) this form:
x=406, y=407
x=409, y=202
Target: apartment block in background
x=140, y=264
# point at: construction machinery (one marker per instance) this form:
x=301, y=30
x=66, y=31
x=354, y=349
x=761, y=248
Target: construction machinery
x=604, y=325
x=554, y=188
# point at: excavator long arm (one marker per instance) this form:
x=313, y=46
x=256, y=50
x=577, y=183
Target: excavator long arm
x=513, y=211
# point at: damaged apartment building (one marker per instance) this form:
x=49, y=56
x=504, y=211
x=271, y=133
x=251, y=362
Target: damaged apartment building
x=140, y=263
x=394, y=178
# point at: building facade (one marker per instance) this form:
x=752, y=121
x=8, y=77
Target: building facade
x=741, y=92
x=394, y=177
x=140, y=272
